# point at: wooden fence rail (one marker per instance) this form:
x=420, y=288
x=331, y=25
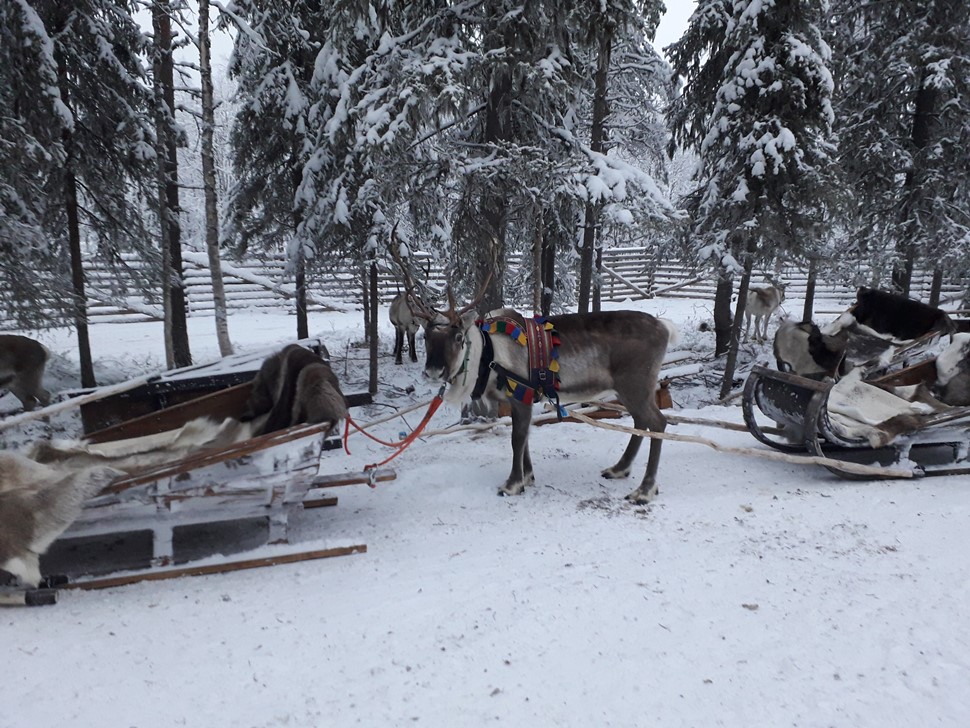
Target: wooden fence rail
x=632, y=272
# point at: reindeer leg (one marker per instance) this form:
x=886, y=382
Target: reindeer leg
x=747, y=328
x=26, y=568
x=646, y=416
x=521, y=462
x=24, y=394
x=411, y=347
x=398, y=345
x=656, y=422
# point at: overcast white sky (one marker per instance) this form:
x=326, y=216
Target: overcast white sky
x=671, y=27
x=674, y=22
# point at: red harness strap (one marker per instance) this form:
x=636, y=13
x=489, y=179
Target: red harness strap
x=403, y=444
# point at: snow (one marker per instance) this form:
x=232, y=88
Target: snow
x=749, y=593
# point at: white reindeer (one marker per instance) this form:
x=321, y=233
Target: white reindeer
x=760, y=304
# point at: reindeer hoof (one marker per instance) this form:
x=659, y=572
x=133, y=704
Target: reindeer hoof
x=512, y=488
x=615, y=474
x=643, y=496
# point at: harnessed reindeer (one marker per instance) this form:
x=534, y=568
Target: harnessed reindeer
x=619, y=351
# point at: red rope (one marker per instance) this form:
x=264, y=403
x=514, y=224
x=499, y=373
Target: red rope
x=403, y=444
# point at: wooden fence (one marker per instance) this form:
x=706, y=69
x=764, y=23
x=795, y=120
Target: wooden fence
x=627, y=273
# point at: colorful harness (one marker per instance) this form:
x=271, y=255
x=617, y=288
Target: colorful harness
x=542, y=341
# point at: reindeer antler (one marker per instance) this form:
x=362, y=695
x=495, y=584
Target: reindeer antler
x=455, y=316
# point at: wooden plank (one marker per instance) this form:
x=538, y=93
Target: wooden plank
x=207, y=569
x=213, y=456
x=333, y=481
x=227, y=402
x=325, y=502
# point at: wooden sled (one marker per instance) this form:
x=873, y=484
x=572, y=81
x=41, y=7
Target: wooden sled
x=934, y=443
x=152, y=522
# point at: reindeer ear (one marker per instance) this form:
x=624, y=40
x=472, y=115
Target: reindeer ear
x=468, y=319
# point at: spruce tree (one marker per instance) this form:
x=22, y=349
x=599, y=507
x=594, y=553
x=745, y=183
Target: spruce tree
x=90, y=155
x=903, y=109
x=757, y=108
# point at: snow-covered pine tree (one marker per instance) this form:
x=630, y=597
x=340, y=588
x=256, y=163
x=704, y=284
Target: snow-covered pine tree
x=903, y=111
x=168, y=137
x=273, y=61
x=31, y=118
x=623, y=113
x=757, y=108
x=98, y=109
x=466, y=121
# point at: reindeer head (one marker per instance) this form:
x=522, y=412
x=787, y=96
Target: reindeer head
x=448, y=339
x=453, y=349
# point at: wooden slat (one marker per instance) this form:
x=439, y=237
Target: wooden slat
x=207, y=569
x=227, y=402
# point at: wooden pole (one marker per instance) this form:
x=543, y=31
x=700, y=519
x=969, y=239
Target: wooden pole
x=848, y=467
x=58, y=407
x=206, y=569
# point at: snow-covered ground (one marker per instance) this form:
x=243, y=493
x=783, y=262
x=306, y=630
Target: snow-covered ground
x=750, y=593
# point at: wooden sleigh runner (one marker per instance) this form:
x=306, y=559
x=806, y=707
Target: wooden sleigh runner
x=154, y=522
x=860, y=421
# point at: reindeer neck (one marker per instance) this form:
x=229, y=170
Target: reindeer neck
x=461, y=384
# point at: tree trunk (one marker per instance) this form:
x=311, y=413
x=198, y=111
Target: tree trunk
x=74, y=239
x=365, y=296
x=220, y=310
x=548, y=272
x=490, y=258
x=601, y=109
x=538, y=245
x=598, y=280
x=732, y=359
x=722, y=314
x=165, y=94
x=809, y=310
x=936, y=287
x=921, y=137
x=372, y=387
x=302, y=323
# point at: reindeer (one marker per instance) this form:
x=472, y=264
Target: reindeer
x=619, y=351
x=22, y=363
x=294, y=385
x=760, y=304
x=404, y=322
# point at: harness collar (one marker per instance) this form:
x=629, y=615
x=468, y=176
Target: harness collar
x=484, y=364
x=463, y=369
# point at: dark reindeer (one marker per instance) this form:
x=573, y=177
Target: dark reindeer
x=294, y=386
x=619, y=351
x=22, y=363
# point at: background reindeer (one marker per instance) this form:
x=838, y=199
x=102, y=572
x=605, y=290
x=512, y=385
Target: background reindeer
x=759, y=305
x=22, y=363
x=619, y=351
x=405, y=323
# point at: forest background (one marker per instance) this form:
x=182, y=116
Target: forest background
x=771, y=133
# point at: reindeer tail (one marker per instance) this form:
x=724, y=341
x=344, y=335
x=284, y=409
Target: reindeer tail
x=673, y=335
